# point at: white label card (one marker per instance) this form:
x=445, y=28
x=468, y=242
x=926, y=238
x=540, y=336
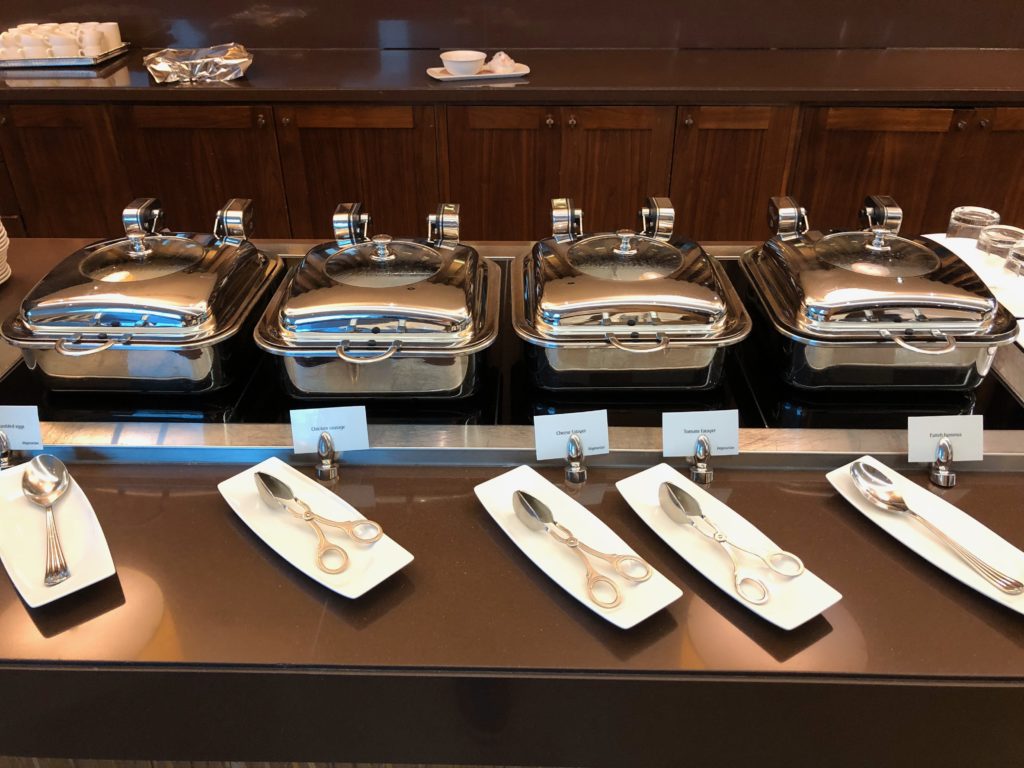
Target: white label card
x=966, y=433
x=679, y=432
x=21, y=423
x=346, y=424
x=551, y=433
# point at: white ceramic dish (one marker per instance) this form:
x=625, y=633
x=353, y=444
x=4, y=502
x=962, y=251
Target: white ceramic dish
x=639, y=601
x=1006, y=286
x=295, y=541
x=463, y=63
x=793, y=602
x=23, y=541
x=956, y=523
x=440, y=73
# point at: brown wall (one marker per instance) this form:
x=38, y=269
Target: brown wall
x=548, y=23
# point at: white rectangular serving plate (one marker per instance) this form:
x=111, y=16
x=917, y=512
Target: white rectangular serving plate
x=294, y=539
x=23, y=541
x=793, y=602
x=957, y=524
x=639, y=601
x=440, y=73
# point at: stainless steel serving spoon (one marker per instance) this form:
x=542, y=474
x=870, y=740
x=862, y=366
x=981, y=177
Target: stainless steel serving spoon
x=682, y=508
x=537, y=516
x=277, y=493
x=45, y=480
x=878, y=488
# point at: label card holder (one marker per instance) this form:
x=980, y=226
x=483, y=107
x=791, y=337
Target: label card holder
x=21, y=424
x=551, y=433
x=679, y=432
x=966, y=433
x=346, y=425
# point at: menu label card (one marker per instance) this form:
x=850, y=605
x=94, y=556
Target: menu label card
x=551, y=433
x=21, y=423
x=347, y=426
x=679, y=432
x=966, y=433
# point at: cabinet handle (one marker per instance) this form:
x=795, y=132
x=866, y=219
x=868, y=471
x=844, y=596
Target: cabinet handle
x=549, y=121
x=984, y=124
x=286, y=121
x=572, y=121
x=961, y=125
x=3, y=119
x=261, y=121
x=688, y=122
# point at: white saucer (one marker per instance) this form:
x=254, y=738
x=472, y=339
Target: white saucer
x=440, y=73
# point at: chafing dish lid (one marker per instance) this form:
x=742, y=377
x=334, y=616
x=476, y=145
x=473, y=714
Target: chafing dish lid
x=151, y=284
x=860, y=283
x=424, y=292
x=587, y=286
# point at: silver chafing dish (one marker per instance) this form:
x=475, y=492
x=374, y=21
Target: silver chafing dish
x=384, y=317
x=871, y=308
x=626, y=309
x=150, y=312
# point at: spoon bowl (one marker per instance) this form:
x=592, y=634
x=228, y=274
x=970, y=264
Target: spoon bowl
x=44, y=481
x=680, y=506
x=531, y=511
x=877, y=486
x=273, y=491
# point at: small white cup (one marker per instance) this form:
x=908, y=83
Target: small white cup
x=56, y=37
x=68, y=28
x=91, y=38
x=463, y=62
x=50, y=25
x=26, y=26
x=66, y=50
x=10, y=39
x=112, y=33
x=37, y=52
x=31, y=38
x=6, y=54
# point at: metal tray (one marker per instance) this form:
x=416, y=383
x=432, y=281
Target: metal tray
x=76, y=61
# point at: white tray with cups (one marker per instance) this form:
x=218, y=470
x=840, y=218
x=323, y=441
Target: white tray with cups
x=474, y=65
x=66, y=44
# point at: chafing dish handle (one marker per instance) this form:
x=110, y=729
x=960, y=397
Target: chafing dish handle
x=658, y=218
x=443, y=226
x=788, y=218
x=342, y=352
x=880, y=212
x=235, y=219
x=946, y=348
x=350, y=224
x=662, y=344
x=64, y=347
x=566, y=220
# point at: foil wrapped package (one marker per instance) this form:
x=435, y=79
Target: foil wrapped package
x=218, y=63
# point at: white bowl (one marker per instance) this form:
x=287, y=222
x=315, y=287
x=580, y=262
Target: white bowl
x=463, y=62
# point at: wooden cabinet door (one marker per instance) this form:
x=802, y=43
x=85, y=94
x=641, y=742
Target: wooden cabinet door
x=196, y=158
x=985, y=166
x=382, y=156
x=65, y=168
x=612, y=159
x=503, y=169
x=727, y=163
x=847, y=153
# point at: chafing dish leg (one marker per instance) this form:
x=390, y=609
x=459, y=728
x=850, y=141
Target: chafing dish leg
x=942, y=473
x=327, y=467
x=575, y=467
x=701, y=471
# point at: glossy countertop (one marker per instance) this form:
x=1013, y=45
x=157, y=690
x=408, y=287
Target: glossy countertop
x=196, y=587
x=592, y=76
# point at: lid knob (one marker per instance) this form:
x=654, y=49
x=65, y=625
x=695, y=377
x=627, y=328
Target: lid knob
x=141, y=217
x=626, y=246
x=382, y=243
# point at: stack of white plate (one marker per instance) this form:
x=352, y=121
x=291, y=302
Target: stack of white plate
x=5, y=268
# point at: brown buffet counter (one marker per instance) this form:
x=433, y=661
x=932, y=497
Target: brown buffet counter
x=581, y=76
x=209, y=646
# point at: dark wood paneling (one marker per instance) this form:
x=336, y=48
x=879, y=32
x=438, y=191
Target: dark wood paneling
x=196, y=158
x=503, y=168
x=14, y=225
x=728, y=161
x=846, y=154
x=613, y=158
x=65, y=167
x=983, y=165
x=384, y=157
